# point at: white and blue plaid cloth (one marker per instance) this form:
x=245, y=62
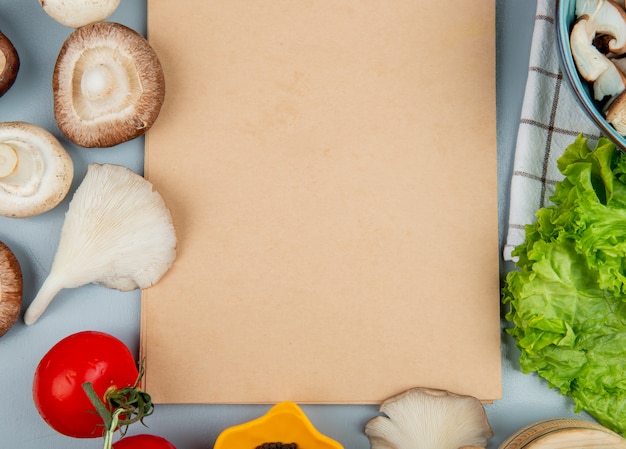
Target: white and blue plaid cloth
x=550, y=120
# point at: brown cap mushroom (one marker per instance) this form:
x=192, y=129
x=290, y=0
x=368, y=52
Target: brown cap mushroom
x=427, y=418
x=35, y=170
x=108, y=85
x=77, y=13
x=9, y=64
x=10, y=289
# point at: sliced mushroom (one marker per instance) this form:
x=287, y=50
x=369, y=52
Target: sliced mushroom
x=117, y=232
x=9, y=64
x=616, y=113
x=610, y=83
x=606, y=18
x=10, y=288
x=108, y=85
x=77, y=13
x=35, y=170
x=590, y=62
x=426, y=418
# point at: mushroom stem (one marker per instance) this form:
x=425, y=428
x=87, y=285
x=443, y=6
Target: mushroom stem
x=97, y=83
x=8, y=160
x=46, y=294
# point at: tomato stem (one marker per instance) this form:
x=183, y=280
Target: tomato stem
x=104, y=413
x=110, y=431
x=120, y=407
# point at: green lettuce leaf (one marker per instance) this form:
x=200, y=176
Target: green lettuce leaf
x=567, y=298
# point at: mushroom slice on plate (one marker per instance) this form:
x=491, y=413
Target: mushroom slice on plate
x=35, y=170
x=9, y=64
x=108, y=85
x=77, y=13
x=10, y=289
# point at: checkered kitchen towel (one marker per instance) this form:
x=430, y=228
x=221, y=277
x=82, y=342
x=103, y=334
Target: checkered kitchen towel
x=550, y=121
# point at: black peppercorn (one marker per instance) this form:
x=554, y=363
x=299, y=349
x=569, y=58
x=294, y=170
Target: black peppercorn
x=277, y=445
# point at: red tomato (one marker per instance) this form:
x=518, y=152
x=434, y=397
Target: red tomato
x=143, y=442
x=58, y=392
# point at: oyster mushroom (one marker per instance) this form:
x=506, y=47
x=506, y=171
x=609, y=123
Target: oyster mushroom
x=117, y=232
x=10, y=289
x=35, y=170
x=9, y=64
x=426, y=418
x=77, y=13
x=108, y=85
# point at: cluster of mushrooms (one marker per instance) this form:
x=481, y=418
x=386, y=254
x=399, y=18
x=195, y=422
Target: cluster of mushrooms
x=598, y=44
x=108, y=88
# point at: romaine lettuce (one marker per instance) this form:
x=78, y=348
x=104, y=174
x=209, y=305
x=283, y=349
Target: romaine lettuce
x=567, y=298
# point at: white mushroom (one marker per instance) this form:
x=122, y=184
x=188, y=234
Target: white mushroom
x=10, y=288
x=35, y=170
x=425, y=418
x=108, y=85
x=77, y=13
x=118, y=232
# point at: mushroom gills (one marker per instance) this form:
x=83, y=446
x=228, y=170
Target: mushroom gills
x=117, y=232
x=428, y=418
x=35, y=170
x=21, y=168
x=108, y=85
x=105, y=83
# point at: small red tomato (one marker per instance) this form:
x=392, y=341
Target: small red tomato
x=87, y=356
x=143, y=442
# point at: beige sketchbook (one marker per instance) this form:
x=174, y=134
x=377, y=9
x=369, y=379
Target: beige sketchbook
x=331, y=169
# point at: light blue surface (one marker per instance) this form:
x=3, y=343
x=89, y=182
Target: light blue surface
x=38, y=38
